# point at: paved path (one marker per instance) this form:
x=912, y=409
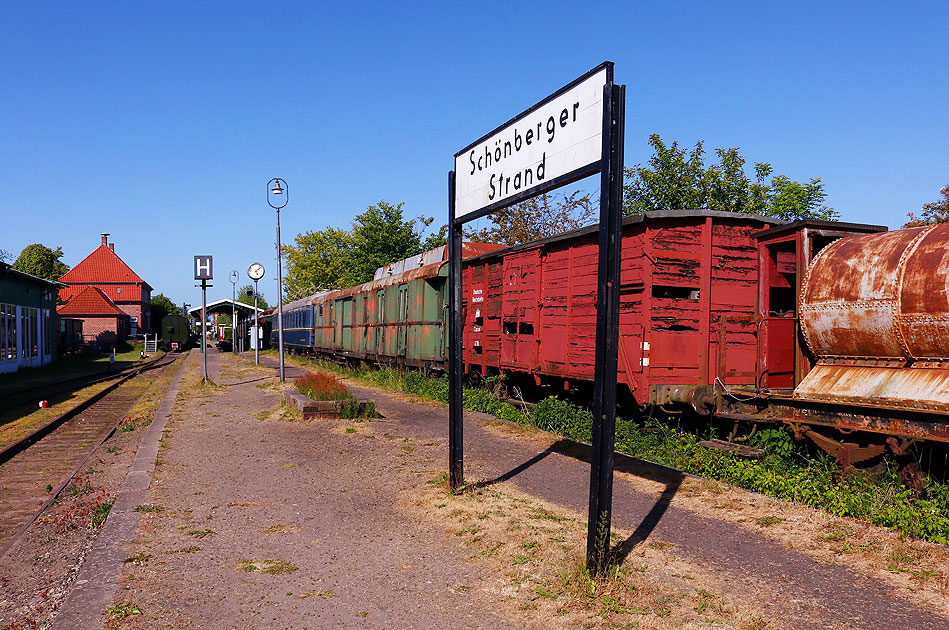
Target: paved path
x=239, y=491
x=308, y=494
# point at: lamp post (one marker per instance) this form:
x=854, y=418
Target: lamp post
x=278, y=193
x=234, y=278
x=255, y=272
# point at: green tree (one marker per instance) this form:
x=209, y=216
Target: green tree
x=382, y=235
x=536, y=218
x=932, y=212
x=41, y=261
x=161, y=306
x=334, y=258
x=677, y=179
x=317, y=261
x=245, y=295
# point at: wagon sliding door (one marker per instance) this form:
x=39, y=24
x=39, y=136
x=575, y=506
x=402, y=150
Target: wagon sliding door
x=519, y=310
x=380, y=347
x=403, y=316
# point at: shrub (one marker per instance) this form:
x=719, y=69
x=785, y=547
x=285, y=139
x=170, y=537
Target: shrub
x=320, y=386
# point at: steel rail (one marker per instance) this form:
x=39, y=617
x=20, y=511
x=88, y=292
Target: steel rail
x=4, y=457
x=69, y=384
x=22, y=444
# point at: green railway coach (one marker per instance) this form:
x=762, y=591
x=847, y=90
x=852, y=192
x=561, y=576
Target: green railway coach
x=396, y=319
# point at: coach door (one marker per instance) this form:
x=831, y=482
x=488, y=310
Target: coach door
x=403, y=316
x=380, y=330
x=337, y=316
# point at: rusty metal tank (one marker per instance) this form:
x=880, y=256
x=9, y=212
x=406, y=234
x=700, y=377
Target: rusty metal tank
x=880, y=296
x=874, y=311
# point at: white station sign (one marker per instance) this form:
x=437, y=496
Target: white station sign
x=554, y=139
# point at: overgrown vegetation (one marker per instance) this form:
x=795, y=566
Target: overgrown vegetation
x=786, y=472
x=320, y=386
x=324, y=386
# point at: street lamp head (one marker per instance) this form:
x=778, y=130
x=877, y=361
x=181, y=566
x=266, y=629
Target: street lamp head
x=277, y=188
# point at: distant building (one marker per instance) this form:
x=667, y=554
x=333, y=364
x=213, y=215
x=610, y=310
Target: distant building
x=103, y=322
x=27, y=309
x=122, y=287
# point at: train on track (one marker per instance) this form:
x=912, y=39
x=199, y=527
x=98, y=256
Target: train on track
x=839, y=330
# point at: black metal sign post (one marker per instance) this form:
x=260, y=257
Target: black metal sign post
x=607, y=329
x=573, y=133
x=456, y=464
x=204, y=271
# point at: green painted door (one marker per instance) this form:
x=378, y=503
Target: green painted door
x=380, y=322
x=347, y=321
x=403, y=317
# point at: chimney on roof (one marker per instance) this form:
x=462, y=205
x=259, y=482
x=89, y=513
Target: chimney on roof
x=105, y=238
x=112, y=246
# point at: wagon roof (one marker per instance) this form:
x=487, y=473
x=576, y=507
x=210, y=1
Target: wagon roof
x=818, y=224
x=643, y=218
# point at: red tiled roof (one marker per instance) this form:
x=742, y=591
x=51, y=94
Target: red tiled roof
x=116, y=292
x=102, y=265
x=91, y=301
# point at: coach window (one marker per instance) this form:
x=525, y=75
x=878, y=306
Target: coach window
x=3, y=332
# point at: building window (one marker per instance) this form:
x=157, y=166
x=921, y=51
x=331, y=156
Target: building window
x=47, y=334
x=10, y=318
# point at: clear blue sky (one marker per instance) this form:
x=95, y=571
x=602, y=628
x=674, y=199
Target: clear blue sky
x=161, y=123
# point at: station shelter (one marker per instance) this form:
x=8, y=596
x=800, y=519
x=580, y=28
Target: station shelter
x=27, y=319
x=219, y=328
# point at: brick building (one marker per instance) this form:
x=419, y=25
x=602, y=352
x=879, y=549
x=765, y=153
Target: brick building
x=103, y=322
x=122, y=287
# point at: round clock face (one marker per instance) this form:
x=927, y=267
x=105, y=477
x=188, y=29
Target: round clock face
x=255, y=271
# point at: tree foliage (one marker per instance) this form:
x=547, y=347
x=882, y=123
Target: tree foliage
x=932, y=212
x=536, y=218
x=161, y=306
x=677, y=179
x=335, y=258
x=245, y=295
x=41, y=261
x=5, y=256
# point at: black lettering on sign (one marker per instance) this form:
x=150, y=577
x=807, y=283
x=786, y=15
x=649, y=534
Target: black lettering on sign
x=551, y=127
x=564, y=115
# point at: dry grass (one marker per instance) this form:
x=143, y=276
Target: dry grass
x=537, y=549
x=283, y=411
x=917, y=570
x=16, y=425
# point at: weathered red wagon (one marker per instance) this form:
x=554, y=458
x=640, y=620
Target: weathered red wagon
x=692, y=312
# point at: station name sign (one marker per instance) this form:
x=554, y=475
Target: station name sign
x=556, y=141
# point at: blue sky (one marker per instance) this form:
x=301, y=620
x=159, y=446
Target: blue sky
x=161, y=123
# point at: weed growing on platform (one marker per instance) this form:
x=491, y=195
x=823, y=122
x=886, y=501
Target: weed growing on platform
x=320, y=386
x=268, y=567
x=100, y=513
x=121, y=611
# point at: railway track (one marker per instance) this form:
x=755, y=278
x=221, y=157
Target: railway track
x=55, y=453
x=66, y=385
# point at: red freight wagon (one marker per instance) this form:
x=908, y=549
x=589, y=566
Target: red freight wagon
x=689, y=306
